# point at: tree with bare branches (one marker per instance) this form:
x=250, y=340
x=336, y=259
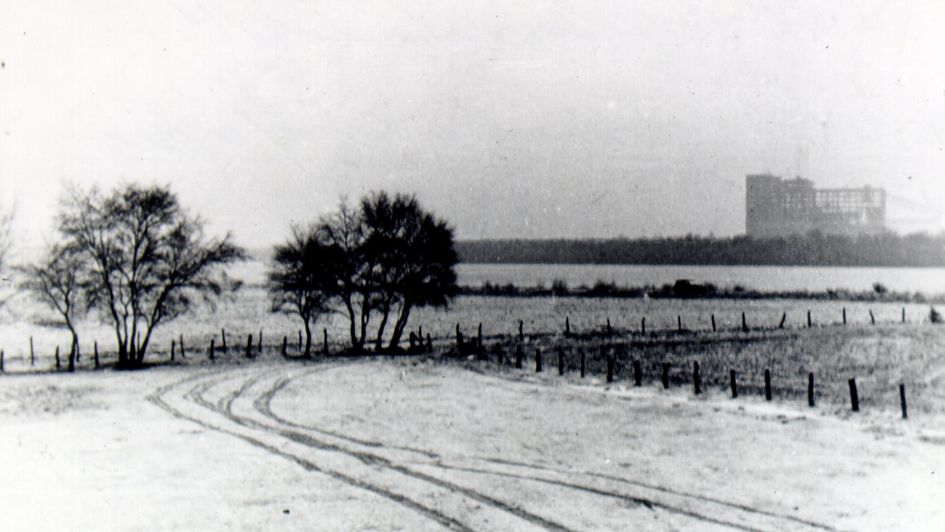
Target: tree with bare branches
x=301, y=279
x=148, y=260
x=415, y=259
x=57, y=281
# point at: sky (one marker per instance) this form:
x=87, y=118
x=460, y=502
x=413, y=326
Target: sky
x=509, y=119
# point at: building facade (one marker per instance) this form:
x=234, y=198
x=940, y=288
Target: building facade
x=778, y=207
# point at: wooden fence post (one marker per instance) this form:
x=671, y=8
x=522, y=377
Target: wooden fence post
x=609, y=330
x=665, y=375
x=567, y=326
x=872, y=318
x=211, y=349
x=637, y=373
x=844, y=315
x=519, y=356
x=459, y=338
x=678, y=323
x=537, y=360
x=183, y=354
x=223, y=340
x=173, y=349
x=479, y=339
x=744, y=323
x=810, y=389
x=32, y=354
x=767, y=385
x=643, y=325
x=521, y=330
x=696, y=378
x=58, y=365
x=903, y=314
x=325, y=341
x=783, y=319
x=732, y=383
x=902, y=400
x=285, y=346
x=249, y=346
x=429, y=344
x=1, y=360
x=560, y=360
x=96, y=352
x=583, y=361
x=259, y=346
x=713, y=323
x=854, y=397
x=810, y=322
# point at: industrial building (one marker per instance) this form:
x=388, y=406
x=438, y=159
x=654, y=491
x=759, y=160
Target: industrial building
x=778, y=207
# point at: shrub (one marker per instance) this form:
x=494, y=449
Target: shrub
x=935, y=316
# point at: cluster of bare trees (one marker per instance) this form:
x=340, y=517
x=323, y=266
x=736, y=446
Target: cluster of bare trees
x=383, y=257
x=134, y=257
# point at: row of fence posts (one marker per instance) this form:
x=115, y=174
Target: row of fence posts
x=58, y=360
x=254, y=345
x=696, y=376
x=417, y=339
x=744, y=322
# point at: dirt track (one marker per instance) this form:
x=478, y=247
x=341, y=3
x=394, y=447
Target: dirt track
x=415, y=444
x=238, y=402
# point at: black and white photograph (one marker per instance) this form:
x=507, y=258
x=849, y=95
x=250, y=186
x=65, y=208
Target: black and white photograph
x=378, y=265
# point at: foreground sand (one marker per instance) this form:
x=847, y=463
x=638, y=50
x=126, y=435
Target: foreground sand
x=414, y=444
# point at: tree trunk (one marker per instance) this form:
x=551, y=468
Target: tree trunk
x=379, y=343
x=143, y=348
x=72, y=353
x=351, y=321
x=122, y=354
x=400, y=325
x=365, y=318
x=308, y=339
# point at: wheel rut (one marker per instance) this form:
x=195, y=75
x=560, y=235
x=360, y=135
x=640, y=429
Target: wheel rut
x=413, y=477
x=587, y=482
x=158, y=398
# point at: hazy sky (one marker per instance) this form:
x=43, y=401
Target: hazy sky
x=509, y=118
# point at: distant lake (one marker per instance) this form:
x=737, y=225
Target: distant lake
x=766, y=278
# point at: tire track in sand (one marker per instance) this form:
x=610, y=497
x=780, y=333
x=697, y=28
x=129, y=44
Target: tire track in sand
x=224, y=407
x=159, y=398
x=262, y=404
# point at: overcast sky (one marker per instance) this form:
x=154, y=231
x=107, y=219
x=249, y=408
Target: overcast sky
x=509, y=118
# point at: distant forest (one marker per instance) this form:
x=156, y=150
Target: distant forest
x=918, y=250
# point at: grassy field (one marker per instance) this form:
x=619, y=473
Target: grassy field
x=880, y=358
x=248, y=313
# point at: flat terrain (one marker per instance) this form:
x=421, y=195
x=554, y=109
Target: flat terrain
x=422, y=444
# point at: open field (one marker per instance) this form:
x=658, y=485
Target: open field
x=248, y=313
x=462, y=441
x=419, y=443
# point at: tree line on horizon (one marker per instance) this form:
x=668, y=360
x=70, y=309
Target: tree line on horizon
x=813, y=249
x=136, y=259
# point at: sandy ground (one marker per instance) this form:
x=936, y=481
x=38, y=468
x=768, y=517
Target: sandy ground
x=415, y=444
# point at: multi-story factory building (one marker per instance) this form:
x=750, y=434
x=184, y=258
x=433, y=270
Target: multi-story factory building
x=780, y=207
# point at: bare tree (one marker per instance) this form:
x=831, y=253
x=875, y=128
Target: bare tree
x=301, y=278
x=148, y=260
x=352, y=280
x=57, y=280
x=415, y=258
